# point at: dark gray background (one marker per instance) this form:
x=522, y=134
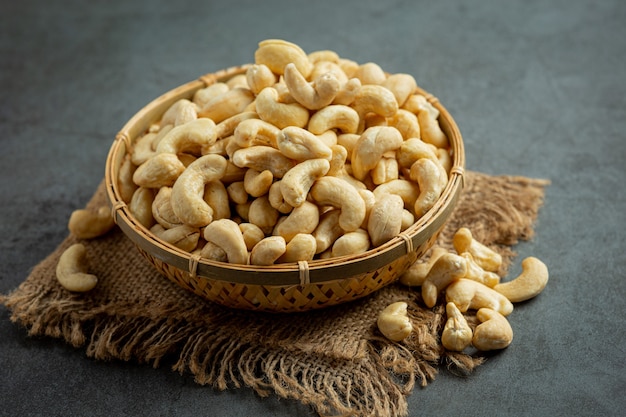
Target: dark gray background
x=538, y=88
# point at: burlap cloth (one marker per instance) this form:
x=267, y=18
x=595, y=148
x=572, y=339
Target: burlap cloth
x=332, y=359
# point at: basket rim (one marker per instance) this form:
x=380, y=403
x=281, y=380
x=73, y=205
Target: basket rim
x=302, y=273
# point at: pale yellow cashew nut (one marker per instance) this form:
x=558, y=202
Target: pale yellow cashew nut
x=272, y=110
x=447, y=268
x=262, y=214
x=161, y=209
x=237, y=192
x=226, y=234
x=142, y=149
x=315, y=95
x=297, y=182
x=72, y=267
x=181, y=112
x=428, y=177
x=184, y=237
x=263, y=158
x=277, y=53
x=468, y=294
x=406, y=123
x=371, y=146
x=407, y=190
x=256, y=132
x=351, y=243
x=188, y=190
x=300, y=144
x=335, y=116
x=206, y=94
x=457, y=334
x=141, y=206
x=300, y=248
x=528, y=284
x=89, y=224
x=259, y=76
x=257, y=183
x=394, y=323
x=370, y=73
x=476, y=273
x=327, y=230
x=431, y=131
x=190, y=137
x=277, y=200
x=401, y=85
x=493, y=333
x=161, y=170
x=230, y=103
x=302, y=219
x=213, y=252
x=417, y=272
x=268, y=251
x=485, y=257
x=216, y=196
x=385, y=170
x=252, y=234
x=385, y=219
x=375, y=99
x=227, y=127
x=348, y=92
x=338, y=193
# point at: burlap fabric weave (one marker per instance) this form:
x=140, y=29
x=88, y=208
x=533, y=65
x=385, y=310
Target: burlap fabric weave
x=332, y=359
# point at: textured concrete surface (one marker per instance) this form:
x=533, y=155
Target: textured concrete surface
x=537, y=88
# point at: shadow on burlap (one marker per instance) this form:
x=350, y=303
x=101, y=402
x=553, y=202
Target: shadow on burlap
x=333, y=359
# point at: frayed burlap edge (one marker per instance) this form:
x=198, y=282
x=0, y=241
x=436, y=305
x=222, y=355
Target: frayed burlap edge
x=375, y=381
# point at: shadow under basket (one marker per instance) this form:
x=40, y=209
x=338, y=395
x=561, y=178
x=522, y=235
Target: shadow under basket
x=290, y=287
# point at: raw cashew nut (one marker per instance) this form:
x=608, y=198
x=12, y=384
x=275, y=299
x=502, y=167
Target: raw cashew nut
x=142, y=149
x=206, y=94
x=161, y=170
x=468, y=294
x=256, y=132
x=190, y=137
x=263, y=158
x=429, y=178
x=385, y=170
x=394, y=323
x=401, y=85
x=188, y=190
x=141, y=206
x=314, y=95
x=125, y=181
x=257, y=183
x=263, y=214
x=277, y=53
x=259, y=76
x=485, y=257
x=447, y=269
x=476, y=273
x=431, y=131
x=281, y=115
x=493, y=333
x=184, y=237
x=338, y=193
x=161, y=209
x=385, y=219
x=417, y=103
x=181, y=112
x=71, y=270
x=268, y=250
x=417, y=272
x=227, y=127
x=351, y=243
x=237, y=192
x=375, y=99
x=457, y=334
x=297, y=182
x=300, y=248
x=213, y=252
x=406, y=123
x=336, y=116
x=370, y=73
x=528, y=284
x=226, y=234
x=88, y=224
x=371, y=146
x=348, y=92
x=407, y=190
x=230, y=103
x=413, y=149
x=300, y=144
x=252, y=234
x=327, y=230
x=277, y=200
x=216, y=196
x=302, y=219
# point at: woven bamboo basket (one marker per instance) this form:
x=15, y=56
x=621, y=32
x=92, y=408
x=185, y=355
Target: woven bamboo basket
x=289, y=287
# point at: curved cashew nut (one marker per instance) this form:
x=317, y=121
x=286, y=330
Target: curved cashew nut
x=142, y=149
x=417, y=272
x=190, y=137
x=407, y=219
x=494, y=332
x=141, y=206
x=206, y=94
x=226, y=234
x=88, y=224
x=407, y=190
x=468, y=294
x=277, y=200
x=230, y=103
x=262, y=214
x=227, y=127
x=277, y=53
x=259, y=76
x=263, y=158
x=337, y=160
x=161, y=209
x=300, y=144
x=371, y=146
x=385, y=219
x=335, y=116
x=370, y=73
x=428, y=176
x=161, y=170
x=431, y=131
x=71, y=270
x=297, y=182
x=476, y=273
x=256, y=132
x=348, y=92
x=385, y=170
x=268, y=250
x=528, y=284
x=447, y=269
x=323, y=55
x=485, y=257
x=257, y=183
x=376, y=99
x=302, y=219
x=184, y=237
x=401, y=85
x=237, y=192
x=351, y=243
x=327, y=230
x=338, y=193
x=300, y=248
x=394, y=323
x=281, y=115
x=413, y=149
x=315, y=95
x=417, y=103
x=213, y=252
x=252, y=234
x=188, y=190
x=181, y=112
x=457, y=334
x=406, y=123
x=216, y=196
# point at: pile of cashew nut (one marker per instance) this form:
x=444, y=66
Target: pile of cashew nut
x=300, y=157
x=468, y=277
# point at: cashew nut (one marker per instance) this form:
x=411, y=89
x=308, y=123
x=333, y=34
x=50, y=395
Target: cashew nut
x=263, y=158
x=72, y=267
x=337, y=160
x=457, y=334
x=348, y=92
x=401, y=85
x=428, y=176
x=315, y=95
x=141, y=206
x=406, y=123
x=161, y=170
x=188, y=190
x=371, y=146
x=327, y=230
x=206, y=94
x=413, y=149
x=280, y=114
x=277, y=53
x=468, y=294
x=417, y=272
x=431, y=131
x=385, y=219
x=88, y=224
x=190, y=137
x=216, y=196
x=263, y=214
x=323, y=55
x=528, y=284
x=226, y=234
x=237, y=192
x=277, y=200
x=375, y=99
x=227, y=127
x=297, y=182
x=302, y=219
x=385, y=170
x=268, y=250
x=476, y=273
x=300, y=248
x=494, y=332
x=336, y=116
x=181, y=112
x=394, y=323
x=370, y=73
x=213, y=252
x=230, y=103
x=252, y=234
x=338, y=193
x=448, y=268
x=417, y=103
x=184, y=237
x=161, y=209
x=258, y=183
x=258, y=77
x=142, y=149
x=256, y=132
x=485, y=257
x=351, y=243
x=300, y=144
x=407, y=190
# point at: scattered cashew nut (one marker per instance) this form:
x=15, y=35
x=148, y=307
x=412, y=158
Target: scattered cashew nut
x=89, y=224
x=457, y=334
x=226, y=234
x=528, y=284
x=71, y=270
x=485, y=257
x=394, y=323
x=468, y=294
x=493, y=333
x=448, y=268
